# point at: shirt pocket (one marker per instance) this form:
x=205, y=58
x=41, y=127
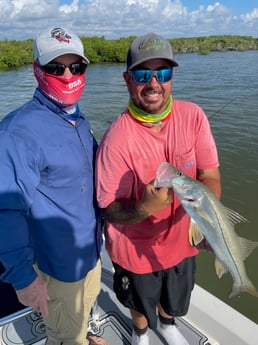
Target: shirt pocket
x=186, y=162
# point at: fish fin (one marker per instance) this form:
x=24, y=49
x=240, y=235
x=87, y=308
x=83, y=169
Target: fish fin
x=195, y=234
x=220, y=268
x=248, y=288
x=234, y=216
x=246, y=247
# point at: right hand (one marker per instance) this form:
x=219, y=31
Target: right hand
x=35, y=295
x=156, y=199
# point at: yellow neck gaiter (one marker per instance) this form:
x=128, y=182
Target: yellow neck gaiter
x=142, y=116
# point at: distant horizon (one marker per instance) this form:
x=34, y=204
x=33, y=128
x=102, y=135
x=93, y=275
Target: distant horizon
x=169, y=38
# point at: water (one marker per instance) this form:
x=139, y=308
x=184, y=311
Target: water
x=218, y=80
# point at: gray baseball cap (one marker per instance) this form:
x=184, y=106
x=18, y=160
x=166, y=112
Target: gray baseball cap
x=57, y=41
x=147, y=47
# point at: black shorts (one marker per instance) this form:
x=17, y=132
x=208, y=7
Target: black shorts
x=142, y=292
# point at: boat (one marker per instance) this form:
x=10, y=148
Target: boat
x=209, y=321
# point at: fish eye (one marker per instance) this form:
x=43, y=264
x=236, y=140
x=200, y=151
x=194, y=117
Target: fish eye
x=179, y=173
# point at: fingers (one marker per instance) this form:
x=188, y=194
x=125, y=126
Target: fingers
x=35, y=295
x=156, y=199
x=43, y=308
x=164, y=194
x=204, y=245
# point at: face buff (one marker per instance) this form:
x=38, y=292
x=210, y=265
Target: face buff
x=144, y=117
x=65, y=92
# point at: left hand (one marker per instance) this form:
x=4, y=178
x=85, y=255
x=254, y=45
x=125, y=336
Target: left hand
x=35, y=295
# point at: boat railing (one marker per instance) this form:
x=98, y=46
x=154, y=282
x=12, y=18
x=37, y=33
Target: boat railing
x=15, y=316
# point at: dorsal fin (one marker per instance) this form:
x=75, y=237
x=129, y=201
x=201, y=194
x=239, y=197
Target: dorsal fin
x=234, y=216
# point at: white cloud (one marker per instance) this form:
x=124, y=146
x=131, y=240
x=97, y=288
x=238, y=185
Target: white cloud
x=113, y=19
x=251, y=17
x=74, y=7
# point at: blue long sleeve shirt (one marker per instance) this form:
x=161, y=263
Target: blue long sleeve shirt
x=48, y=211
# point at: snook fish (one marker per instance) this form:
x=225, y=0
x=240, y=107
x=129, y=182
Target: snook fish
x=214, y=222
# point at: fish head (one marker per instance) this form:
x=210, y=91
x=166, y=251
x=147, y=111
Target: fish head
x=186, y=188
x=165, y=175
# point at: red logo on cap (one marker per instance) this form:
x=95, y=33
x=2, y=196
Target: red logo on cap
x=60, y=35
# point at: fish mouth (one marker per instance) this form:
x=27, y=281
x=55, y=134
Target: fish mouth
x=190, y=199
x=160, y=183
x=191, y=202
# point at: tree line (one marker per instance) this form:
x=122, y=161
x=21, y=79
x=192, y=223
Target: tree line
x=15, y=54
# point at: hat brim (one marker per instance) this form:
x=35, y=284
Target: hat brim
x=173, y=63
x=45, y=59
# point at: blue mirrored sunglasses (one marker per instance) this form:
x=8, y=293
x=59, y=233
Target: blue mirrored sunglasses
x=59, y=69
x=144, y=76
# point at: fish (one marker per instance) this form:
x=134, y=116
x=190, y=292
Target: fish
x=214, y=222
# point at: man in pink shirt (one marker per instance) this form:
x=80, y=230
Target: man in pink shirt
x=147, y=228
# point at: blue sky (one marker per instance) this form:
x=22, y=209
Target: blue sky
x=237, y=7
x=21, y=19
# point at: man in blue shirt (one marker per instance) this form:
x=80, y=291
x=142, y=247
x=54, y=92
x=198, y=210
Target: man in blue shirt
x=49, y=222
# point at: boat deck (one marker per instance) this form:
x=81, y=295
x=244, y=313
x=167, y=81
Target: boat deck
x=209, y=321
x=109, y=319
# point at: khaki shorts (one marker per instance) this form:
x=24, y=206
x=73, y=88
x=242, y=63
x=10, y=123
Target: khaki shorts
x=69, y=308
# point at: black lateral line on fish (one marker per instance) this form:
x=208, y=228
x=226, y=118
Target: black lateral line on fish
x=226, y=243
x=229, y=250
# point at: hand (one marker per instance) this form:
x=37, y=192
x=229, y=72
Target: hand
x=156, y=199
x=35, y=295
x=204, y=245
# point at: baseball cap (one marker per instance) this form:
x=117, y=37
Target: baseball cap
x=57, y=41
x=147, y=47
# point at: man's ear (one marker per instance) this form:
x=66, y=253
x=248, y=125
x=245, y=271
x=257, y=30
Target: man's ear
x=126, y=76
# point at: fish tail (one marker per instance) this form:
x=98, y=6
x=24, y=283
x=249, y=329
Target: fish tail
x=248, y=288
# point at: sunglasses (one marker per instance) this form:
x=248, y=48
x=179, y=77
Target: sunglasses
x=59, y=69
x=144, y=76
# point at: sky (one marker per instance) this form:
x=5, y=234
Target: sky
x=22, y=19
